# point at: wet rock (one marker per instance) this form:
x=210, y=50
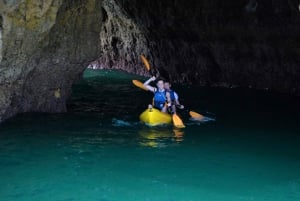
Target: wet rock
x=45, y=45
x=214, y=43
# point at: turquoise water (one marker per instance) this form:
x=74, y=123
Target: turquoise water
x=100, y=151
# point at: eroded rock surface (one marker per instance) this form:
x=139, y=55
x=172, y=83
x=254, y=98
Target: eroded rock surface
x=245, y=43
x=45, y=45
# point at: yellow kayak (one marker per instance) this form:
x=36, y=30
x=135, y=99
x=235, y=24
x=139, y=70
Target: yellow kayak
x=154, y=117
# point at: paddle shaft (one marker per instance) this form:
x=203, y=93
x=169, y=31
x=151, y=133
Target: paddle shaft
x=193, y=114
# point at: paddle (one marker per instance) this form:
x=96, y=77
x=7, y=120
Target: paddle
x=152, y=71
x=139, y=85
x=145, y=61
x=196, y=115
x=193, y=114
x=176, y=119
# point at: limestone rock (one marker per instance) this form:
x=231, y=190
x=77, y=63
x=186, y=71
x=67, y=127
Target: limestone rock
x=45, y=45
x=209, y=42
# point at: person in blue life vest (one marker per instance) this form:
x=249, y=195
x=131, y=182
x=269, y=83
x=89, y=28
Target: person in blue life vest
x=161, y=99
x=173, y=97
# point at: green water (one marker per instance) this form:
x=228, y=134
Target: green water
x=100, y=151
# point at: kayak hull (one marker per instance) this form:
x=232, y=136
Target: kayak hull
x=154, y=117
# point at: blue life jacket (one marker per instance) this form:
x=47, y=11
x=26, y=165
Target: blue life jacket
x=159, y=99
x=172, y=95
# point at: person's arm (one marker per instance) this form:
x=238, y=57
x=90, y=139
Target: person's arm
x=168, y=96
x=146, y=84
x=177, y=101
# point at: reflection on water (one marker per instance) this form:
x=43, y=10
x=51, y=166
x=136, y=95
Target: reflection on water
x=160, y=137
x=100, y=151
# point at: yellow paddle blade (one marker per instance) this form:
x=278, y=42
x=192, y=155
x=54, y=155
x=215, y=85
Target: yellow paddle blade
x=139, y=85
x=177, y=121
x=196, y=115
x=145, y=61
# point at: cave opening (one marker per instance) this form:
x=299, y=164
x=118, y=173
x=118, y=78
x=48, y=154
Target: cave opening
x=245, y=148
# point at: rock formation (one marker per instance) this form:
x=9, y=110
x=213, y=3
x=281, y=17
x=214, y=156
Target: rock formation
x=46, y=44
x=209, y=42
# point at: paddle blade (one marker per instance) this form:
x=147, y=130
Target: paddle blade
x=145, y=61
x=196, y=115
x=177, y=121
x=139, y=85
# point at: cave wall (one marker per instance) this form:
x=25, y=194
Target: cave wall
x=247, y=43
x=45, y=46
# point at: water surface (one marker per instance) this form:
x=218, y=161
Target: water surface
x=100, y=151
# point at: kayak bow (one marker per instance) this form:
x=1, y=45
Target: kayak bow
x=154, y=117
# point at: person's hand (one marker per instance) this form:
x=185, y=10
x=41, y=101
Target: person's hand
x=180, y=106
x=153, y=78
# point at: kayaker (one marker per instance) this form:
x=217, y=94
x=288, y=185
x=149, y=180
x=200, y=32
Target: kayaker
x=173, y=97
x=160, y=95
